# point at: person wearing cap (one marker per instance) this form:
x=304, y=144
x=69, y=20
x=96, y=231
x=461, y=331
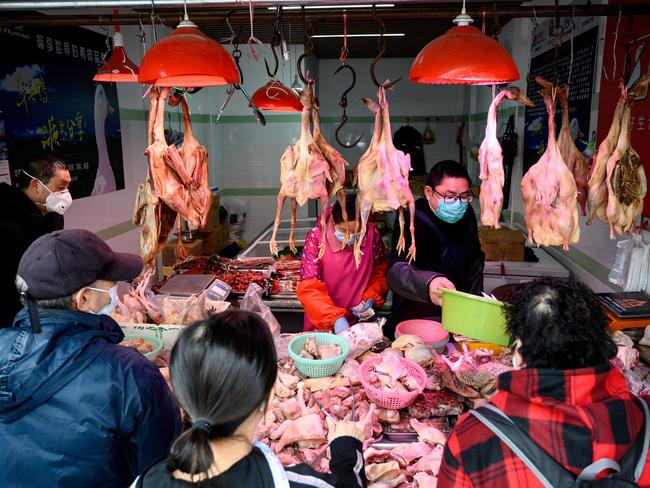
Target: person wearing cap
x=32, y=208
x=76, y=408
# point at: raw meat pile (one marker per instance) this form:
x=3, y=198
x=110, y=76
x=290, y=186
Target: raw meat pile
x=312, y=350
x=140, y=344
x=490, y=158
x=392, y=376
x=141, y=306
x=382, y=179
x=549, y=190
x=240, y=281
x=296, y=429
x=176, y=184
x=617, y=184
x=304, y=173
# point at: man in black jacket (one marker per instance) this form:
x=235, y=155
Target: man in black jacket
x=448, y=250
x=32, y=209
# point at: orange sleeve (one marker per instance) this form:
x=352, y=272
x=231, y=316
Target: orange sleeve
x=377, y=286
x=318, y=304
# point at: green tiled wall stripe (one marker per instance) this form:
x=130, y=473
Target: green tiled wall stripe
x=115, y=230
x=142, y=115
x=249, y=192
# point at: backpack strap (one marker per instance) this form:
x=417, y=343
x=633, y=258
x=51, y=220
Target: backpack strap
x=547, y=470
x=633, y=463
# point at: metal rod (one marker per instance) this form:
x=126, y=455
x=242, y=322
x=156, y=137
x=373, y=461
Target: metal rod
x=410, y=12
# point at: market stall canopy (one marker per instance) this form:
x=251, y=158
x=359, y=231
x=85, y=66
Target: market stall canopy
x=188, y=58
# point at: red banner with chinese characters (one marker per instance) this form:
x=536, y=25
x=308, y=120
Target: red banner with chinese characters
x=637, y=30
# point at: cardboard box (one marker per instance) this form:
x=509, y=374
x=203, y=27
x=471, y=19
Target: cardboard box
x=213, y=218
x=215, y=241
x=169, y=251
x=502, y=244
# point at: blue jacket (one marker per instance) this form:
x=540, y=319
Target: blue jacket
x=76, y=409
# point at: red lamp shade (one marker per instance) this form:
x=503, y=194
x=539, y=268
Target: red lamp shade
x=118, y=68
x=188, y=58
x=464, y=55
x=275, y=97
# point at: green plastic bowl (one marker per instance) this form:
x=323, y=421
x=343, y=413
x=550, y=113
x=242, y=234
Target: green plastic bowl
x=318, y=368
x=475, y=317
x=154, y=341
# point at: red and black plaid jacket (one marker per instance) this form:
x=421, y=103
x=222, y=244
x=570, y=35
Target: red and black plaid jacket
x=577, y=416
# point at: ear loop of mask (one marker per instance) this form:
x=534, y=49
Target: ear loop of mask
x=34, y=178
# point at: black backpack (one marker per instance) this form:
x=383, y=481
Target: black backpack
x=551, y=473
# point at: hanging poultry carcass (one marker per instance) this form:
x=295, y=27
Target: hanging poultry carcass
x=571, y=155
x=549, y=191
x=195, y=159
x=304, y=173
x=490, y=158
x=150, y=212
x=176, y=186
x=337, y=165
x=626, y=180
x=597, y=186
x=382, y=179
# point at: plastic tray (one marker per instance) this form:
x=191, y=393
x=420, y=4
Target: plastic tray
x=154, y=341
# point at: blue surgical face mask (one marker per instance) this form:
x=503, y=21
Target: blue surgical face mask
x=450, y=212
x=341, y=235
x=110, y=306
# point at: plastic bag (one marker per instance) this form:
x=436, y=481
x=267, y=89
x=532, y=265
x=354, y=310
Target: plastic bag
x=252, y=302
x=363, y=336
x=618, y=274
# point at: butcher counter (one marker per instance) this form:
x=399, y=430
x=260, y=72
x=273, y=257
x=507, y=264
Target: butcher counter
x=289, y=310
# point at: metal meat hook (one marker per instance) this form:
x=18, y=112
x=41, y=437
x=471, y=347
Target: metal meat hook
x=273, y=72
x=343, y=103
x=302, y=77
x=382, y=51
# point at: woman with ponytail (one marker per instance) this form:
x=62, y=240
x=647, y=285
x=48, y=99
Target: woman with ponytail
x=222, y=373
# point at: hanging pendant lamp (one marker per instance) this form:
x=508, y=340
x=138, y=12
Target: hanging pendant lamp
x=464, y=55
x=275, y=97
x=188, y=58
x=119, y=68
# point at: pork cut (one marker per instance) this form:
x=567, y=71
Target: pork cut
x=436, y=404
x=490, y=158
x=382, y=179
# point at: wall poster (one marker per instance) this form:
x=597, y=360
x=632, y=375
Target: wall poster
x=542, y=63
x=49, y=103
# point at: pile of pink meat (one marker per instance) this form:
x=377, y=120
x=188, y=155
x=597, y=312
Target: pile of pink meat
x=298, y=431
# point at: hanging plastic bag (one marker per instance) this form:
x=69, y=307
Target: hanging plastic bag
x=618, y=274
x=252, y=302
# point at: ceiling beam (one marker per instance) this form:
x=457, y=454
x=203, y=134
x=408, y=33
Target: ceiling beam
x=507, y=11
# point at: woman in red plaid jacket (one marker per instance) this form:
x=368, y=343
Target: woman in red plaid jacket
x=564, y=394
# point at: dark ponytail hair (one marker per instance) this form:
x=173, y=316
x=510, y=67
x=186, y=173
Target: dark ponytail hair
x=222, y=369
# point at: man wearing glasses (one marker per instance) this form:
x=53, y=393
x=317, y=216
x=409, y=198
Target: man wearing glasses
x=449, y=253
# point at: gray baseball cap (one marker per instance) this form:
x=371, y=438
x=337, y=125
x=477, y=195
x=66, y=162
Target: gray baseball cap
x=60, y=263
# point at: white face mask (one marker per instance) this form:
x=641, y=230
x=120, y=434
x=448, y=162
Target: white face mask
x=110, y=306
x=56, y=201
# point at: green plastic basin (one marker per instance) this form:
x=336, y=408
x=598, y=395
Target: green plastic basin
x=475, y=317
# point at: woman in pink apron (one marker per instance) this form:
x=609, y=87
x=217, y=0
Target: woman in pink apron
x=333, y=291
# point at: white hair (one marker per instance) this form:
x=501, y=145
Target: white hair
x=61, y=303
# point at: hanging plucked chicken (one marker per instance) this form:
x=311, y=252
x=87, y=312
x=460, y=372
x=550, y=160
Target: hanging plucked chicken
x=490, y=158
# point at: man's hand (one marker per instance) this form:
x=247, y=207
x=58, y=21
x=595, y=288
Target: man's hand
x=344, y=428
x=434, y=289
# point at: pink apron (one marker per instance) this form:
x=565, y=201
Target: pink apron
x=345, y=283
